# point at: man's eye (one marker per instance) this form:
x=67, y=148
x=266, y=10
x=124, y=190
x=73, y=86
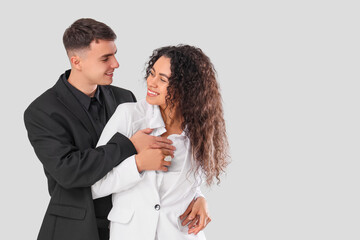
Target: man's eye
x=105, y=60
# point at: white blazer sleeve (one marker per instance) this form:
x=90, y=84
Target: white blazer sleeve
x=126, y=174
x=198, y=193
x=200, y=180
x=119, y=122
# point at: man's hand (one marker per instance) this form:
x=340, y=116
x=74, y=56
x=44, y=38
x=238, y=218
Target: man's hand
x=153, y=159
x=142, y=140
x=196, y=215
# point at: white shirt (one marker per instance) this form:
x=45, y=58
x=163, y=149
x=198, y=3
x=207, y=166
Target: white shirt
x=172, y=190
x=167, y=179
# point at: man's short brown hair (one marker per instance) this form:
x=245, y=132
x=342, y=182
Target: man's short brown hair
x=85, y=30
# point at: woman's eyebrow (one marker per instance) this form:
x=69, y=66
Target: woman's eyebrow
x=162, y=74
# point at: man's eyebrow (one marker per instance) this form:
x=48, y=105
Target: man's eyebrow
x=108, y=55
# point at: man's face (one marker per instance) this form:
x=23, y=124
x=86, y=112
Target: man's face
x=98, y=63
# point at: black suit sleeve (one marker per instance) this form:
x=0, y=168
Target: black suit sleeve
x=71, y=167
x=133, y=97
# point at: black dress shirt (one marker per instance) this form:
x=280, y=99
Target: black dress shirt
x=93, y=106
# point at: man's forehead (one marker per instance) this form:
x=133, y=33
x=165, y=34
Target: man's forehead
x=102, y=42
x=103, y=47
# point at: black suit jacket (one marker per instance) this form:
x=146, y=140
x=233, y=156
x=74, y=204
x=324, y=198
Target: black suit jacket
x=64, y=140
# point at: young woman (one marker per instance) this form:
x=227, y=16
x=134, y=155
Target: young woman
x=183, y=103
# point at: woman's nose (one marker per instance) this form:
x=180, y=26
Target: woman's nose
x=151, y=81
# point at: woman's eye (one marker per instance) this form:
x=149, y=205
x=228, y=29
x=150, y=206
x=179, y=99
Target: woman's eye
x=152, y=74
x=163, y=80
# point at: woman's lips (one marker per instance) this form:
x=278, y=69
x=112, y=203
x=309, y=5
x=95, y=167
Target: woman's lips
x=152, y=93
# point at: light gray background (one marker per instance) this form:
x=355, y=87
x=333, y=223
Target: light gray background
x=289, y=74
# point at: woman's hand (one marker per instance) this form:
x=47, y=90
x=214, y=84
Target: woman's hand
x=196, y=215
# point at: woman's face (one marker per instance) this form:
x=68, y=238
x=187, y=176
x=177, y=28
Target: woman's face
x=158, y=81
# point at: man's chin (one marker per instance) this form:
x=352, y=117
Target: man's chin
x=106, y=82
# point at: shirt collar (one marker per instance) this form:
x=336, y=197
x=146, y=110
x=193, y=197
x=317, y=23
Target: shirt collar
x=155, y=120
x=84, y=99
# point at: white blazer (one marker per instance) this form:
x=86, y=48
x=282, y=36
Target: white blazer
x=140, y=211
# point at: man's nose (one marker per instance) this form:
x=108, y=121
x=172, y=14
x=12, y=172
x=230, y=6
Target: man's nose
x=115, y=63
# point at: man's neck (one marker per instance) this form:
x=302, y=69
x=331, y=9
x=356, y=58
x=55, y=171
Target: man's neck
x=80, y=83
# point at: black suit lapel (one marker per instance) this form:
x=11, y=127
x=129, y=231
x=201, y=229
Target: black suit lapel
x=71, y=103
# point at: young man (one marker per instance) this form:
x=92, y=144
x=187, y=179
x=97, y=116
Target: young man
x=64, y=125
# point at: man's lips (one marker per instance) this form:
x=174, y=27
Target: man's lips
x=110, y=74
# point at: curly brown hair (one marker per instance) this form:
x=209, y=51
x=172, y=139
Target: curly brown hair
x=194, y=90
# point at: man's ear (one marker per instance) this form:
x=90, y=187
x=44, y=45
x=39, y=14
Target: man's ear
x=75, y=61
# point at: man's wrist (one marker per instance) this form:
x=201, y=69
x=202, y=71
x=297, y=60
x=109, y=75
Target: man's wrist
x=138, y=163
x=133, y=143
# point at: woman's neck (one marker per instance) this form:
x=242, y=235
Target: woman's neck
x=172, y=120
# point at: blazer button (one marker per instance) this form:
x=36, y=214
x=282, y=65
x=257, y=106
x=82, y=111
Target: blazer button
x=157, y=207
